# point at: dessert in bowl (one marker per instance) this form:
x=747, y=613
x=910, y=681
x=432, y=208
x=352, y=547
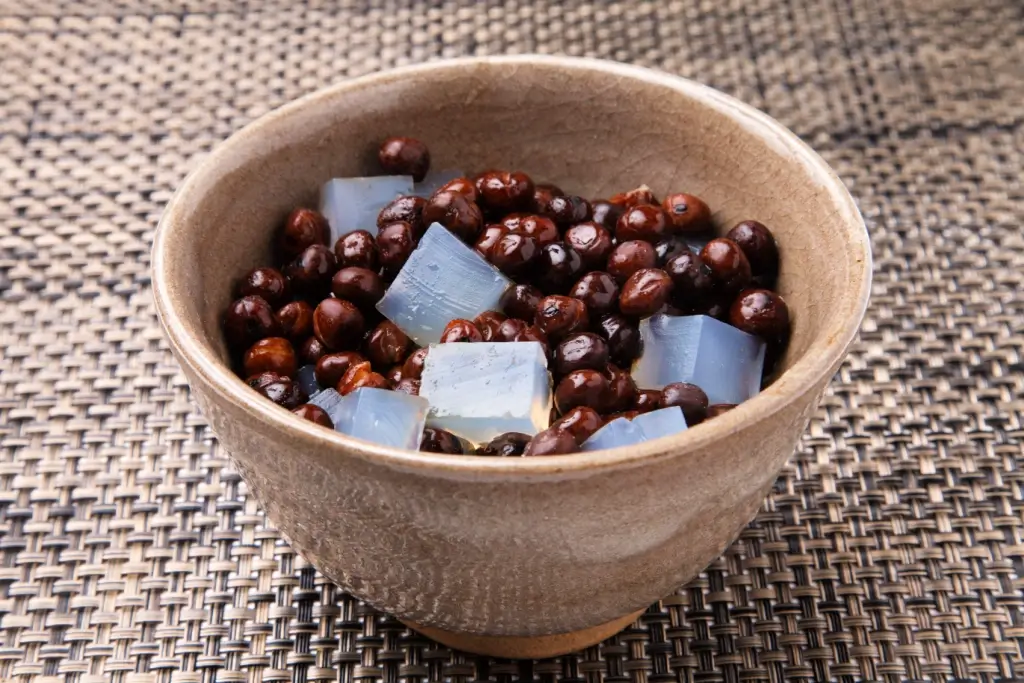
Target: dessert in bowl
x=525, y=556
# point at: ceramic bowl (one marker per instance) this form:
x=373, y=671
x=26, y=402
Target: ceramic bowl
x=515, y=556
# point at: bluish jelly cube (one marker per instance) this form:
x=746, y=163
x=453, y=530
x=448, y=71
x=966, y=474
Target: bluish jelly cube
x=483, y=389
x=723, y=361
x=662, y=422
x=443, y=279
x=433, y=181
x=623, y=432
x=353, y=203
x=329, y=401
x=388, y=418
x=697, y=242
x=618, y=432
x=306, y=377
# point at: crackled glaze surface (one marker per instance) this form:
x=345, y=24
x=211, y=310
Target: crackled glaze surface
x=515, y=547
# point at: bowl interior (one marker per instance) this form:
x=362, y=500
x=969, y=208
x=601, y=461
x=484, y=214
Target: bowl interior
x=592, y=128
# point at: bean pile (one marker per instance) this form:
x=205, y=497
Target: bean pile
x=585, y=273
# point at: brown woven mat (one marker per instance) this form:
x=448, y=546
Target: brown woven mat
x=893, y=545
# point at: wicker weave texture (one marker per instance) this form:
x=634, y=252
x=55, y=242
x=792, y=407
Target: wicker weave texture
x=892, y=547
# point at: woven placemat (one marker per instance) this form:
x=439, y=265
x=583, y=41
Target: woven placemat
x=892, y=547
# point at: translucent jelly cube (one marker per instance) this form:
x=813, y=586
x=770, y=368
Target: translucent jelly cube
x=622, y=432
x=353, y=203
x=330, y=401
x=388, y=418
x=483, y=389
x=443, y=279
x=306, y=377
x=663, y=422
x=618, y=432
x=697, y=242
x=433, y=181
x=722, y=360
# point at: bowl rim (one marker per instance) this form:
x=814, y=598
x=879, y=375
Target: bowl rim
x=816, y=365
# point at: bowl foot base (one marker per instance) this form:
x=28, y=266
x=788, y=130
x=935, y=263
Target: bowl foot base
x=526, y=647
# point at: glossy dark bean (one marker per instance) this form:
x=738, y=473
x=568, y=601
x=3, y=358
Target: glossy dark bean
x=717, y=307
x=404, y=156
x=463, y=186
x=413, y=366
x=538, y=227
x=623, y=337
x=542, y=194
x=687, y=214
x=580, y=351
x=357, y=248
x=248, y=320
x=567, y=210
x=606, y=214
x=489, y=322
x=314, y=414
x=512, y=220
x=688, y=397
x=717, y=409
x=361, y=286
x=505, y=445
x=311, y=351
x=515, y=254
x=558, y=316
x=459, y=330
x=311, y=271
x=407, y=385
x=558, y=267
x=440, y=441
x=693, y=286
x=332, y=367
x=640, y=196
x=501, y=192
x=520, y=301
x=281, y=390
x=338, y=324
x=762, y=313
x=628, y=257
x=727, y=264
x=642, y=222
x=647, y=400
x=273, y=354
x=581, y=388
x=592, y=242
x=488, y=238
x=394, y=375
x=295, y=320
x=302, y=229
x=361, y=375
x=456, y=212
x=268, y=283
x=598, y=290
x=645, y=292
x=404, y=210
x=551, y=442
x=758, y=245
x=387, y=345
x=621, y=389
x=511, y=329
x=581, y=422
x=534, y=334
x=395, y=243
x=670, y=247
x=624, y=414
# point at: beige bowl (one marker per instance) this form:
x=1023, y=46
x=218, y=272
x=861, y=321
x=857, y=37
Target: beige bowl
x=518, y=557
